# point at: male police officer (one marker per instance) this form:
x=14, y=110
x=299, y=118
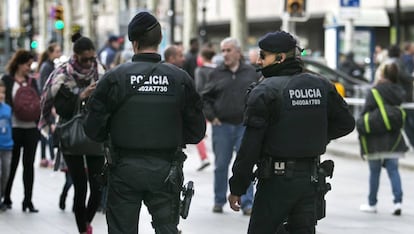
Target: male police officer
x=150, y=110
x=290, y=117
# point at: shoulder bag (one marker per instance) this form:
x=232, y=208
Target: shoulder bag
x=72, y=138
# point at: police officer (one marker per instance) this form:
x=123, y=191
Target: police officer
x=290, y=117
x=149, y=110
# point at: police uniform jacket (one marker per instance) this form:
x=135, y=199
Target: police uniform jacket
x=289, y=115
x=384, y=141
x=224, y=92
x=145, y=104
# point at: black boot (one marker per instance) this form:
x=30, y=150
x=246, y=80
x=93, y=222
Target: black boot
x=29, y=205
x=62, y=201
x=7, y=203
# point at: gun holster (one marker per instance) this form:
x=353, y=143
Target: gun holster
x=324, y=169
x=187, y=194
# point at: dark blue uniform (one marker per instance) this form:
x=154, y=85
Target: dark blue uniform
x=290, y=118
x=149, y=109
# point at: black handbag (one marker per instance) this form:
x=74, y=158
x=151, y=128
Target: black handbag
x=72, y=139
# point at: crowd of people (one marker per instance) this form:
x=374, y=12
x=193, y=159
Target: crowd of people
x=100, y=83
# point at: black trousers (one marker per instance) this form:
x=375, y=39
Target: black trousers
x=285, y=198
x=80, y=177
x=24, y=139
x=133, y=180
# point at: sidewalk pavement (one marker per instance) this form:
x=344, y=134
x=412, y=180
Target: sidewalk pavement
x=348, y=146
x=344, y=217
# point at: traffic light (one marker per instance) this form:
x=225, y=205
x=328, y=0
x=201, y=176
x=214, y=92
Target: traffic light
x=59, y=19
x=295, y=8
x=34, y=45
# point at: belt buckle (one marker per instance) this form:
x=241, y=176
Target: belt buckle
x=279, y=168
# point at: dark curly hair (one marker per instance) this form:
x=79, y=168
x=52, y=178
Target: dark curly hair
x=21, y=56
x=81, y=44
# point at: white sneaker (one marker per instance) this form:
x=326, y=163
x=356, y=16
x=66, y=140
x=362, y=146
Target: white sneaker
x=367, y=208
x=397, y=209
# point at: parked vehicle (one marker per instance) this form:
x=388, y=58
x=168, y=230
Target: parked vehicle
x=353, y=87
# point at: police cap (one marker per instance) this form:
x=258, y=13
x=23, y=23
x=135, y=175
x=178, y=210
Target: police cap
x=140, y=24
x=277, y=42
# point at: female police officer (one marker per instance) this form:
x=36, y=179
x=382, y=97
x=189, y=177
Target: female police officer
x=290, y=117
x=149, y=109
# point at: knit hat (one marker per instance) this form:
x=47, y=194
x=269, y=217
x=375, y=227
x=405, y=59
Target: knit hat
x=140, y=24
x=277, y=42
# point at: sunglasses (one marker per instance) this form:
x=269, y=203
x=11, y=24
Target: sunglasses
x=262, y=55
x=87, y=59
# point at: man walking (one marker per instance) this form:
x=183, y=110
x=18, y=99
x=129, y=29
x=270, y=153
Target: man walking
x=224, y=104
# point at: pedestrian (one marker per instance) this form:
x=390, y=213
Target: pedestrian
x=201, y=75
x=190, y=62
x=290, y=117
x=408, y=57
x=174, y=54
x=223, y=106
x=108, y=53
x=202, y=72
x=6, y=143
x=151, y=111
x=68, y=86
x=351, y=67
x=383, y=148
x=25, y=134
x=406, y=78
x=45, y=68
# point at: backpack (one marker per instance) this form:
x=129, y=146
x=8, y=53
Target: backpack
x=26, y=103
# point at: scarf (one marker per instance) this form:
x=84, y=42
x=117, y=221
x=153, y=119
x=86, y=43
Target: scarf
x=71, y=75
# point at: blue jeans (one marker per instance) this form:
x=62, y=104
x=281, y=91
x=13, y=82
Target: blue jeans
x=227, y=139
x=391, y=165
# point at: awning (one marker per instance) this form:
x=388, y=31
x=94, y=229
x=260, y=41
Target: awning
x=362, y=17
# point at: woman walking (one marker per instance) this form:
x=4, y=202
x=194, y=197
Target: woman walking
x=25, y=133
x=383, y=148
x=70, y=84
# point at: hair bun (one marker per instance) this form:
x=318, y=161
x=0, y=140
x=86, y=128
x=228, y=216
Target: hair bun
x=76, y=36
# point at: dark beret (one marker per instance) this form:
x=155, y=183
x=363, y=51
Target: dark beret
x=277, y=42
x=140, y=24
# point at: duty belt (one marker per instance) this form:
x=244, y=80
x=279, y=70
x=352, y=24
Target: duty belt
x=269, y=166
x=282, y=167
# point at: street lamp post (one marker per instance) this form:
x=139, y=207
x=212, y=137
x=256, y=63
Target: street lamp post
x=95, y=9
x=397, y=22
x=203, y=28
x=31, y=28
x=171, y=13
